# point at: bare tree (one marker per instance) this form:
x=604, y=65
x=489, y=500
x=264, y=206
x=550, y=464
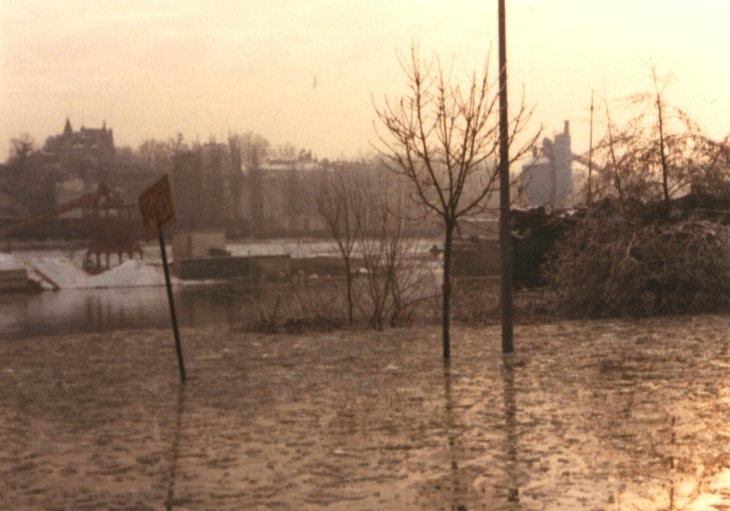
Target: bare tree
x=444, y=138
x=363, y=210
x=177, y=144
x=338, y=201
x=372, y=232
x=656, y=240
x=21, y=149
x=381, y=241
x=286, y=152
x=156, y=155
x=650, y=157
x=395, y=280
x=247, y=144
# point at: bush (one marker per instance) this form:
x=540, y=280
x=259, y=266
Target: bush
x=609, y=267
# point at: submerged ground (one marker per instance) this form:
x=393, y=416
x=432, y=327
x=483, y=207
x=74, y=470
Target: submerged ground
x=585, y=415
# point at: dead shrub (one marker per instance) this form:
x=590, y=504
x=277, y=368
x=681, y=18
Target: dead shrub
x=299, y=307
x=610, y=267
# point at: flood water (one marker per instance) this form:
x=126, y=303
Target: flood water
x=609, y=415
x=588, y=415
x=72, y=311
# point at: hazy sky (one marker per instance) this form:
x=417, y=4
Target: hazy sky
x=155, y=68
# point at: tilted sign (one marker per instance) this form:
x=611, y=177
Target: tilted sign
x=156, y=206
x=157, y=214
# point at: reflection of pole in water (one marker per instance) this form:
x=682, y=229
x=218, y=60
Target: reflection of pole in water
x=510, y=421
x=672, y=465
x=175, y=448
x=723, y=350
x=451, y=434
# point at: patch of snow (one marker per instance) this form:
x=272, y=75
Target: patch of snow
x=9, y=262
x=60, y=270
x=129, y=274
x=67, y=275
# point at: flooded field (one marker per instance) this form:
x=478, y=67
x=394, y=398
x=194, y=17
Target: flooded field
x=83, y=310
x=609, y=415
x=72, y=311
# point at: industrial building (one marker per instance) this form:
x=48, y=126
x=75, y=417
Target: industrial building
x=548, y=177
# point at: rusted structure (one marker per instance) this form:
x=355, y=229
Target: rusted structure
x=92, y=198
x=113, y=225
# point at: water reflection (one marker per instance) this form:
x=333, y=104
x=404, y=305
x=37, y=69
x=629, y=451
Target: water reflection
x=100, y=310
x=503, y=455
x=451, y=435
x=510, y=421
x=672, y=461
x=329, y=422
x=169, y=503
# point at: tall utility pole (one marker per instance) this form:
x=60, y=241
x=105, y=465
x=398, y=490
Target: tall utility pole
x=505, y=234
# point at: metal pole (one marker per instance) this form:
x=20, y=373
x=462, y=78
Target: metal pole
x=505, y=235
x=178, y=346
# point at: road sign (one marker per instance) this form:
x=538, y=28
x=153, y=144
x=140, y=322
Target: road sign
x=155, y=203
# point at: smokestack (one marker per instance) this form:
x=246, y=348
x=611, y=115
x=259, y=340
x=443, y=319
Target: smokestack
x=534, y=152
x=567, y=128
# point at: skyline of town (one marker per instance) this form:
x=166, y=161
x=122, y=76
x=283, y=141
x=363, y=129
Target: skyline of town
x=308, y=75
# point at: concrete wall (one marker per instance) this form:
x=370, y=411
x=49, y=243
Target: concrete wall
x=471, y=259
x=196, y=245
x=258, y=268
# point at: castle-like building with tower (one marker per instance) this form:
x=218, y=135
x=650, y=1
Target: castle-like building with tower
x=89, y=149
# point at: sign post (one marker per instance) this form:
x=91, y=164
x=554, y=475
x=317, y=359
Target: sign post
x=158, y=213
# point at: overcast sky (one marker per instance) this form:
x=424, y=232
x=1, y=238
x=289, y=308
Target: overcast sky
x=204, y=68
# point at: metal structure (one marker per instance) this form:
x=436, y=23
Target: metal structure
x=114, y=227
x=112, y=224
x=91, y=198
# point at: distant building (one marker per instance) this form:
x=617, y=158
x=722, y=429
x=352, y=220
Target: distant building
x=548, y=176
x=187, y=190
x=280, y=198
x=88, y=149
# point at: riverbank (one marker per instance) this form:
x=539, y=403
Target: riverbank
x=585, y=415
